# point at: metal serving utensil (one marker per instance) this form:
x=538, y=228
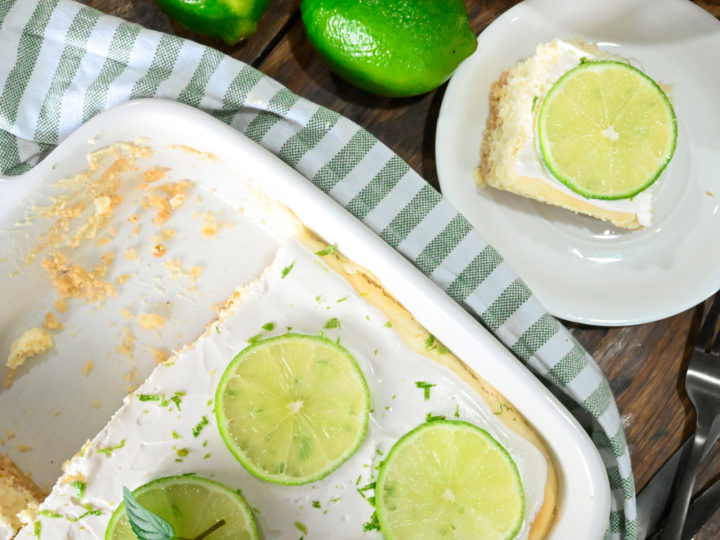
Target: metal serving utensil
x=702, y=384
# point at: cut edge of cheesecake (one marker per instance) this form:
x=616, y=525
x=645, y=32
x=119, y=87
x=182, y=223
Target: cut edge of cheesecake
x=19, y=496
x=504, y=138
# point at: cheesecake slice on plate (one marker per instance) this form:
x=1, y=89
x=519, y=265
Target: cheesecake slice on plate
x=511, y=154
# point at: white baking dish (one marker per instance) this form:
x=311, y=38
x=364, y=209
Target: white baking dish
x=47, y=407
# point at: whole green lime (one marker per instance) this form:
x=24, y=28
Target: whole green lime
x=231, y=20
x=390, y=47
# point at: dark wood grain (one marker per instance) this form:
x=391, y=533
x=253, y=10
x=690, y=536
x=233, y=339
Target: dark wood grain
x=272, y=26
x=645, y=364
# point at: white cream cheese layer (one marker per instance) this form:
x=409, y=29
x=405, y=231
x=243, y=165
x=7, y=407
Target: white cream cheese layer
x=168, y=425
x=553, y=60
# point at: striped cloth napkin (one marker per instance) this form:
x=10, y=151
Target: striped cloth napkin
x=62, y=63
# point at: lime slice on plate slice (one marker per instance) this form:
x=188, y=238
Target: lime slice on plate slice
x=293, y=408
x=191, y=505
x=449, y=479
x=606, y=130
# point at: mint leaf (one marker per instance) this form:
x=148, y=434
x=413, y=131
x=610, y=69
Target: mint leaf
x=145, y=524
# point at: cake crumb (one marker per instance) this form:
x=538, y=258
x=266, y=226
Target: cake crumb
x=74, y=281
x=32, y=342
x=131, y=254
x=167, y=234
x=151, y=321
x=107, y=258
x=210, y=226
x=127, y=314
x=9, y=434
x=166, y=198
x=127, y=345
x=96, y=404
x=194, y=151
x=130, y=378
x=23, y=448
x=177, y=272
x=159, y=249
x=88, y=367
x=159, y=355
x=57, y=413
x=195, y=272
x=709, y=194
x=51, y=322
x=122, y=279
x=154, y=174
x=103, y=241
x=60, y=305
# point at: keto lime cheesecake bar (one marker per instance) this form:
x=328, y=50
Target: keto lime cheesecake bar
x=579, y=128
x=176, y=424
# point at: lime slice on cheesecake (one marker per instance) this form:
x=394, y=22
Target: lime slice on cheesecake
x=606, y=130
x=192, y=505
x=449, y=479
x=293, y=408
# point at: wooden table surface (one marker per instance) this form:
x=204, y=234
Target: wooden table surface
x=645, y=364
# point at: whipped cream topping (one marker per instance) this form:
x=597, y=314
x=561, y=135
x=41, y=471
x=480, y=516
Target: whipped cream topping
x=529, y=161
x=168, y=425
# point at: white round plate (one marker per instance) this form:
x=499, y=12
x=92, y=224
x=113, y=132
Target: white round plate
x=582, y=269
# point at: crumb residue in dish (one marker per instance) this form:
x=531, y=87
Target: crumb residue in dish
x=87, y=201
x=50, y=322
x=153, y=174
x=177, y=272
x=127, y=345
x=74, y=281
x=159, y=355
x=88, y=367
x=194, y=151
x=151, y=321
x=32, y=342
x=165, y=198
x=158, y=249
x=211, y=227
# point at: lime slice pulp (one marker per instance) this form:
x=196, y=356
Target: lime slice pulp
x=449, y=479
x=606, y=130
x=191, y=505
x=293, y=408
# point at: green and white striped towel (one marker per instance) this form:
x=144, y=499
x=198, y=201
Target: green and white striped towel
x=62, y=63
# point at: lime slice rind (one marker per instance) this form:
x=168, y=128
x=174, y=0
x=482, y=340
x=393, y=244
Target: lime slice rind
x=557, y=170
x=119, y=529
x=355, y=386
x=385, y=504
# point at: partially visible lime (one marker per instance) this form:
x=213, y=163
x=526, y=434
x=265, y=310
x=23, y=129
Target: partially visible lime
x=449, y=479
x=293, y=408
x=606, y=130
x=390, y=47
x=231, y=20
x=191, y=505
